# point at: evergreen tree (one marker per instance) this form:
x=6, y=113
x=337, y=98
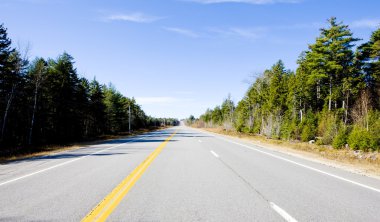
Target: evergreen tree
x=97, y=109
x=36, y=76
x=63, y=101
x=7, y=80
x=329, y=64
x=368, y=59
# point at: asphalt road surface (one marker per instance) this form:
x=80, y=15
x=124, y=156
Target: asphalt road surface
x=182, y=174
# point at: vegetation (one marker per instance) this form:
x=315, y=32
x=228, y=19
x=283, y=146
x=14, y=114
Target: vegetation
x=46, y=102
x=333, y=97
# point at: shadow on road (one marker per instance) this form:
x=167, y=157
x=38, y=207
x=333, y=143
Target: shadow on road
x=156, y=137
x=89, y=151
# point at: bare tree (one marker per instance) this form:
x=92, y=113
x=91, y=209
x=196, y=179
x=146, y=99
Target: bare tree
x=361, y=109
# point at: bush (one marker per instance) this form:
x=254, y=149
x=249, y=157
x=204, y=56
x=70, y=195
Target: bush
x=307, y=127
x=360, y=138
x=340, y=140
x=307, y=133
x=328, y=127
x=374, y=127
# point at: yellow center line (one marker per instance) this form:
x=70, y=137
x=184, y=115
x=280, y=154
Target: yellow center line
x=101, y=211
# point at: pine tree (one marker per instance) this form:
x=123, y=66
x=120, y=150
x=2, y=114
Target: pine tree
x=329, y=63
x=7, y=81
x=63, y=100
x=97, y=108
x=368, y=59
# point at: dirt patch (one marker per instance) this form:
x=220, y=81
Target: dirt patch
x=365, y=163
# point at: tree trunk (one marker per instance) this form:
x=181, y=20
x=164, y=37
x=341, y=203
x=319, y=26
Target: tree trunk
x=7, y=111
x=345, y=107
x=319, y=89
x=250, y=118
x=365, y=104
x=330, y=93
x=33, y=115
x=301, y=114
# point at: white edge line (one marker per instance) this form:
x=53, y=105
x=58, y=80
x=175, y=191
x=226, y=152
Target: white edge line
x=302, y=165
x=215, y=154
x=67, y=162
x=282, y=212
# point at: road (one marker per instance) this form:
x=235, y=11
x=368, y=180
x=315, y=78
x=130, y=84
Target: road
x=182, y=174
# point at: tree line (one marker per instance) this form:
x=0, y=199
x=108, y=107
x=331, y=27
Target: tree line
x=45, y=101
x=333, y=97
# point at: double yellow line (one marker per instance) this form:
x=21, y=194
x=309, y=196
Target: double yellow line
x=112, y=200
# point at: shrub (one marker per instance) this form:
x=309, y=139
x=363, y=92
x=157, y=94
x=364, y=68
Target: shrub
x=360, y=138
x=374, y=127
x=307, y=127
x=307, y=133
x=340, y=140
x=286, y=130
x=327, y=127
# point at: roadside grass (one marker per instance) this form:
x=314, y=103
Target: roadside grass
x=25, y=153
x=367, y=163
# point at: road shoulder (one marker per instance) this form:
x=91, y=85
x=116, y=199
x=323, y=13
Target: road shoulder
x=365, y=169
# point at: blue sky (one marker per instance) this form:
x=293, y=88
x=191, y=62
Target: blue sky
x=178, y=57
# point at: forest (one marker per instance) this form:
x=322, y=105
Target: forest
x=45, y=101
x=332, y=98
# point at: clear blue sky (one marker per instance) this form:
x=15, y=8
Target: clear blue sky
x=178, y=57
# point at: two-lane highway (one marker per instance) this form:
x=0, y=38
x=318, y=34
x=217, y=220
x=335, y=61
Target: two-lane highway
x=182, y=174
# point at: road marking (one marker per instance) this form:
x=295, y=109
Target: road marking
x=200, y=141
x=112, y=200
x=282, y=212
x=301, y=165
x=215, y=154
x=67, y=162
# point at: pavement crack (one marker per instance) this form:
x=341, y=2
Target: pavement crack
x=244, y=180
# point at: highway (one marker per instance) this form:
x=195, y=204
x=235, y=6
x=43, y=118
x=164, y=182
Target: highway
x=182, y=174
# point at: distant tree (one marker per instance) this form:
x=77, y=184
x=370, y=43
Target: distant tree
x=227, y=109
x=217, y=116
x=190, y=120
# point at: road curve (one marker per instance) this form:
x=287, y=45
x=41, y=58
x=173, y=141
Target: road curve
x=182, y=174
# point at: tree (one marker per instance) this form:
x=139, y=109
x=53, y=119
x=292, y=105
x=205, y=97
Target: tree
x=368, y=60
x=190, y=120
x=12, y=81
x=97, y=108
x=64, y=100
x=37, y=75
x=116, y=112
x=227, y=109
x=217, y=116
x=329, y=63
x=7, y=80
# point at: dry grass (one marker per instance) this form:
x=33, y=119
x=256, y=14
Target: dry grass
x=51, y=149
x=366, y=163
